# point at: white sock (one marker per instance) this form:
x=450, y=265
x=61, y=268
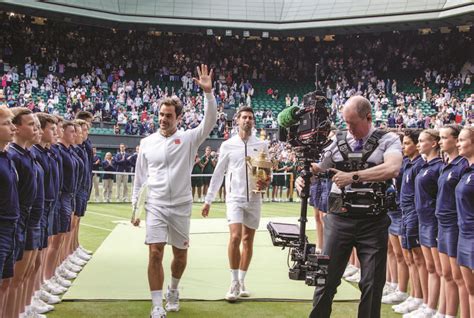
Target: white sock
x=174, y=283
x=242, y=275
x=157, y=298
x=394, y=285
x=234, y=274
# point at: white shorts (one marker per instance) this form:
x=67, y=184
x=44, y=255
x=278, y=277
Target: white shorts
x=168, y=224
x=247, y=213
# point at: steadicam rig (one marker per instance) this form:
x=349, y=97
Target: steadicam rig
x=306, y=129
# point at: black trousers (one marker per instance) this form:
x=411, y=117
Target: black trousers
x=370, y=237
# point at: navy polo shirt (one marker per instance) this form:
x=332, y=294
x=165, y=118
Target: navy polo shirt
x=37, y=208
x=108, y=167
x=426, y=190
x=407, y=192
x=465, y=202
x=79, y=169
x=132, y=160
x=120, y=162
x=88, y=147
x=9, y=204
x=445, y=200
x=57, y=167
x=84, y=159
x=96, y=166
x=69, y=167
x=399, y=180
x=27, y=183
x=42, y=157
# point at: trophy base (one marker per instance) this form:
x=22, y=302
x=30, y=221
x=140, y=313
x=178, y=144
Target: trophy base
x=259, y=191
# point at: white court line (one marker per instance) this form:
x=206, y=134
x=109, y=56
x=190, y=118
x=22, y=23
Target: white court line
x=107, y=215
x=97, y=227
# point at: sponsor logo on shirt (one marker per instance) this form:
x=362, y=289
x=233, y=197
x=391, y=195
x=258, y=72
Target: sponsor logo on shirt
x=468, y=179
x=426, y=172
x=177, y=141
x=450, y=175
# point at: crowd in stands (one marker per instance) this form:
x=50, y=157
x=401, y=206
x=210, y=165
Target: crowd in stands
x=121, y=76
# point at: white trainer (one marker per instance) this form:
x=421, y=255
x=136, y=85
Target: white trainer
x=80, y=254
x=244, y=292
x=409, y=299
x=423, y=312
x=234, y=291
x=47, y=297
x=388, y=289
x=172, y=300
x=71, y=267
x=394, y=298
x=53, y=289
x=65, y=273
x=85, y=250
x=354, y=278
x=40, y=307
x=350, y=270
x=61, y=281
x=409, y=307
x=31, y=314
x=76, y=261
x=158, y=312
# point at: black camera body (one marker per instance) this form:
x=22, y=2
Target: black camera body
x=310, y=135
x=307, y=264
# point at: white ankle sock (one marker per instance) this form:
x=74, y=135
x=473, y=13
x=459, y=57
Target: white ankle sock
x=234, y=274
x=174, y=283
x=157, y=298
x=242, y=275
x=394, y=285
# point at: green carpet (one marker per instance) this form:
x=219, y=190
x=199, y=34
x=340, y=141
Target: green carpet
x=118, y=269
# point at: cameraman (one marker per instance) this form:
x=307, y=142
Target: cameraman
x=366, y=155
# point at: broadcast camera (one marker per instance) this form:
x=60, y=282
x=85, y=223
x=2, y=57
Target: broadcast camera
x=306, y=129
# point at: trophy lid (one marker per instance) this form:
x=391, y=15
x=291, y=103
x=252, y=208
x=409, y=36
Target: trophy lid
x=261, y=161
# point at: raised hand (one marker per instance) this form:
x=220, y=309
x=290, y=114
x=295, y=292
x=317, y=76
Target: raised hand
x=205, y=78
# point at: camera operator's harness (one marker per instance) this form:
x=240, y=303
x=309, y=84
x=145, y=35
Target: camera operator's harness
x=362, y=199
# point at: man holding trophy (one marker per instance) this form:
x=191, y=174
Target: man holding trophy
x=243, y=160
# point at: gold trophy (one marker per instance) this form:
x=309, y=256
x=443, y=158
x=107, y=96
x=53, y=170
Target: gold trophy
x=261, y=168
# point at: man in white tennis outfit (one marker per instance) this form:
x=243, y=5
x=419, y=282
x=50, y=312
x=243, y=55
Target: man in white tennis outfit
x=165, y=161
x=243, y=205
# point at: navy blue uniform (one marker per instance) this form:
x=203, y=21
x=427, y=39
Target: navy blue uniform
x=315, y=193
x=132, y=161
x=9, y=214
x=83, y=187
x=426, y=190
x=108, y=167
x=396, y=216
x=27, y=186
x=56, y=156
x=448, y=230
x=80, y=179
x=407, y=204
x=87, y=145
x=69, y=169
x=43, y=157
x=34, y=232
x=120, y=162
x=465, y=208
x=96, y=166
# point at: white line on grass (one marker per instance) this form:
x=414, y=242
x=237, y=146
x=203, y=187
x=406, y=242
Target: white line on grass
x=107, y=215
x=96, y=227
